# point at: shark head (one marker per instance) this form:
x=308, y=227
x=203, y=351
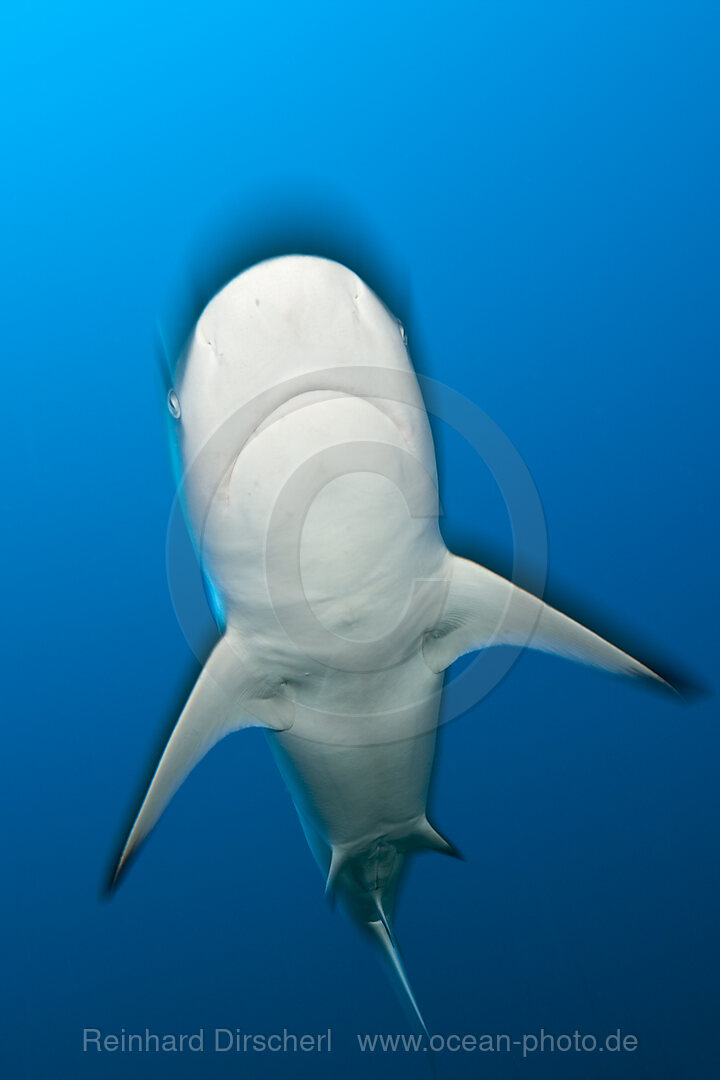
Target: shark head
x=267, y=334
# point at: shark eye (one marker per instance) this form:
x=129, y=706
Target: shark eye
x=174, y=404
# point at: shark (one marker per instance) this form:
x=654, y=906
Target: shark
x=309, y=485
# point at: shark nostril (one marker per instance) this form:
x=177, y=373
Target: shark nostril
x=174, y=404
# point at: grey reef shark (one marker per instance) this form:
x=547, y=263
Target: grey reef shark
x=309, y=486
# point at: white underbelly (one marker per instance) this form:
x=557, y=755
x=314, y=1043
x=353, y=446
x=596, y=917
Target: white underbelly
x=360, y=768
x=326, y=524
x=323, y=544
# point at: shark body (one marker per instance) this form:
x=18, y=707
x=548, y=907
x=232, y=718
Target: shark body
x=310, y=490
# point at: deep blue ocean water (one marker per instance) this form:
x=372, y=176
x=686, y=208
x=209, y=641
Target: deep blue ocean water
x=534, y=188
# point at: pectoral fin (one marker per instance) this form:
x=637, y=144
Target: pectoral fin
x=228, y=695
x=483, y=609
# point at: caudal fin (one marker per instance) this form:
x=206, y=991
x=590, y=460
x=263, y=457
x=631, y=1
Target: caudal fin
x=396, y=970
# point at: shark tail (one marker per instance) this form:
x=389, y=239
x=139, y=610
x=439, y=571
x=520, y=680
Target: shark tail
x=382, y=915
x=384, y=936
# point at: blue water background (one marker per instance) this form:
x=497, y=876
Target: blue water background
x=537, y=185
